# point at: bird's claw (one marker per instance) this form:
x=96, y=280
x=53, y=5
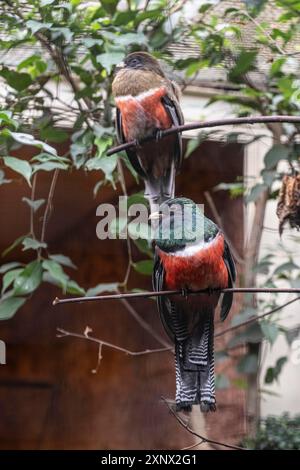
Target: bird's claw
x=185, y=292
x=210, y=291
x=137, y=143
x=158, y=135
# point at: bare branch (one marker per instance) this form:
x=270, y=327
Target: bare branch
x=145, y=294
x=256, y=318
x=207, y=124
x=49, y=204
x=191, y=431
x=86, y=336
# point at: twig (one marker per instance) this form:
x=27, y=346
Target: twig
x=129, y=251
x=193, y=445
x=191, y=431
x=49, y=204
x=136, y=295
x=207, y=124
x=86, y=336
x=256, y=318
x=259, y=26
x=31, y=208
x=145, y=325
x=219, y=222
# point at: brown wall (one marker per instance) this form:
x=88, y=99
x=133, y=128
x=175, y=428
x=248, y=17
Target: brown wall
x=49, y=397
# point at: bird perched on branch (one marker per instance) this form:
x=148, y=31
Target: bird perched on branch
x=147, y=103
x=191, y=254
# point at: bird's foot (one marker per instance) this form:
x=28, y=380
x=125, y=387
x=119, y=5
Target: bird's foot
x=158, y=135
x=137, y=143
x=185, y=292
x=205, y=407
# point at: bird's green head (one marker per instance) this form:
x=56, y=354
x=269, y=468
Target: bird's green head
x=182, y=223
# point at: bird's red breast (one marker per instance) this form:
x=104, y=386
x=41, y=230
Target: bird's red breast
x=201, y=270
x=143, y=113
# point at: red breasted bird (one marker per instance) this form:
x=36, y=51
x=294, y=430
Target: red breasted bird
x=191, y=254
x=147, y=102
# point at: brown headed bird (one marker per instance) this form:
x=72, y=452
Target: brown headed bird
x=147, y=103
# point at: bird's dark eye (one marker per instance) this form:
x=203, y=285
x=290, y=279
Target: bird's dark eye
x=134, y=62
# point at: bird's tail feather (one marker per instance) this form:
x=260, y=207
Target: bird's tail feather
x=158, y=190
x=194, y=360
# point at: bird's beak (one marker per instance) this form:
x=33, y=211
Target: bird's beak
x=155, y=216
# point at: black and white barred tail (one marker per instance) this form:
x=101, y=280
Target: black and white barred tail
x=194, y=361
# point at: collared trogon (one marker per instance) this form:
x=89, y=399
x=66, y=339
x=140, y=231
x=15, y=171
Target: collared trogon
x=191, y=253
x=147, y=102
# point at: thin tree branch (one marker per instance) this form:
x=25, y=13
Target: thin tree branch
x=144, y=324
x=129, y=251
x=49, y=204
x=256, y=318
x=208, y=124
x=191, y=431
x=63, y=333
x=33, y=188
x=136, y=295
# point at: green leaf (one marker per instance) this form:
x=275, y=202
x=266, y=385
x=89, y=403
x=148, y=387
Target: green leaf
x=288, y=266
x=9, y=278
x=29, y=279
x=273, y=373
x=36, y=26
x=16, y=80
x=255, y=6
x=243, y=64
x=248, y=364
x=53, y=134
x=74, y=289
x=193, y=144
x=20, y=166
x=32, y=244
x=100, y=288
x=50, y=166
x=108, y=60
x=143, y=246
x=56, y=272
x=144, y=267
x=110, y=5
x=105, y=164
x=124, y=17
x=27, y=139
x=275, y=154
x=9, y=307
x=17, y=242
x=270, y=330
x=35, y=205
x=8, y=266
x=63, y=260
x=255, y=192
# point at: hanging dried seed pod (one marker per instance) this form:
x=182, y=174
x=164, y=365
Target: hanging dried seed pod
x=288, y=207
